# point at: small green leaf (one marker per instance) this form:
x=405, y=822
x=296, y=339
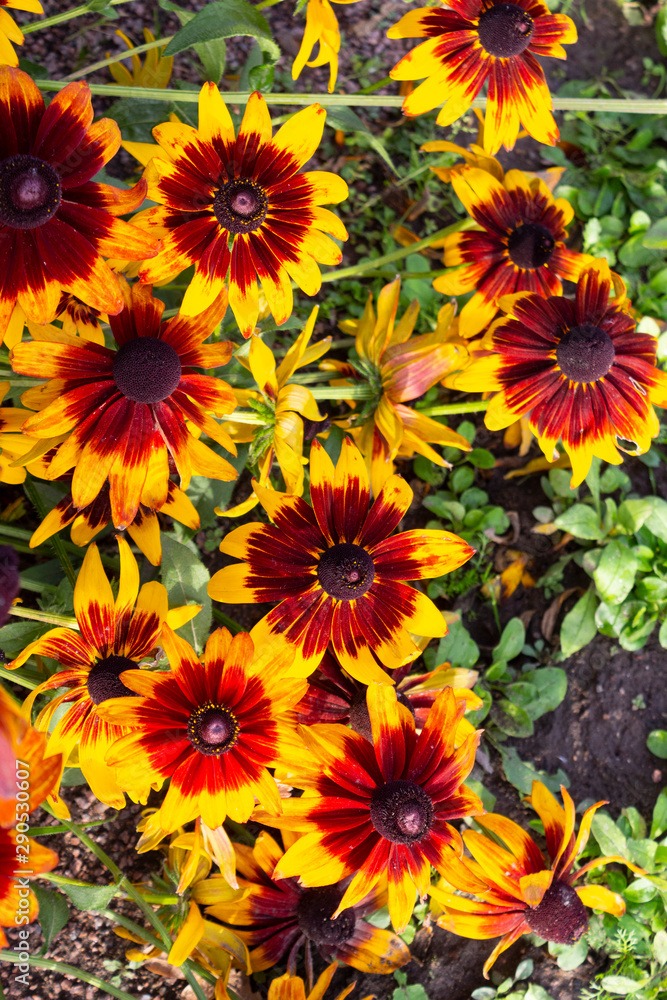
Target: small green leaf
x=580, y=521
x=615, y=573
x=522, y=774
x=579, y=628
x=570, y=956
x=657, y=743
x=660, y=947
x=633, y=513
x=609, y=837
x=511, y=641
x=657, y=519
x=224, y=19
x=186, y=578
x=458, y=648
x=89, y=897
x=551, y=685
x=622, y=984
x=659, y=818
x=512, y=719
x=656, y=237
x=461, y=479
x=481, y=458
x=53, y=913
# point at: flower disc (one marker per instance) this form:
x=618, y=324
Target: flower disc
x=560, y=916
x=314, y=916
x=30, y=192
x=585, y=353
x=530, y=245
x=213, y=729
x=104, y=679
x=401, y=811
x=147, y=369
x=505, y=30
x=346, y=571
x=241, y=206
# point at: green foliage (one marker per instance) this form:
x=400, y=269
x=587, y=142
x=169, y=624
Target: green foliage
x=514, y=987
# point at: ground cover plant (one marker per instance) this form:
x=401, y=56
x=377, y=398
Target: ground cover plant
x=333, y=536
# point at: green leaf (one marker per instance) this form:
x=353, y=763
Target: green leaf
x=551, y=684
x=570, y=956
x=522, y=774
x=580, y=521
x=656, y=237
x=17, y=635
x=659, y=818
x=622, y=984
x=660, y=947
x=481, y=458
x=579, y=628
x=462, y=479
x=458, y=648
x=662, y=634
x=616, y=571
x=609, y=837
x=512, y=719
x=536, y=992
x=656, y=742
x=186, y=578
x=224, y=19
x=657, y=519
x=53, y=913
x=511, y=641
x=347, y=120
x=89, y=897
x=633, y=513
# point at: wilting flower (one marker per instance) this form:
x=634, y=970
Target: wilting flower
x=333, y=696
x=337, y=572
x=144, y=530
x=55, y=222
x=239, y=204
x=282, y=405
x=276, y=918
x=127, y=412
x=382, y=808
x=578, y=369
x=114, y=635
x=212, y=729
x=472, y=42
x=519, y=246
x=518, y=890
x=155, y=71
x=322, y=27
x=400, y=370
x=10, y=31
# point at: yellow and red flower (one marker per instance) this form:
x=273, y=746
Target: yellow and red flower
x=577, y=369
x=289, y=987
x=473, y=42
x=14, y=445
x=155, y=71
x=14, y=899
x=238, y=204
x=380, y=809
x=336, y=572
x=55, y=222
x=518, y=890
x=212, y=729
x=127, y=413
x=517, y=247
x=10, y=31
x=114, y=635
x=276, y=918
x=322, y=27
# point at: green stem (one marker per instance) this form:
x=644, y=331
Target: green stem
x=33, y=496
x=447, y=409
x=343, y=391
x=16, y=678
x=26, y=583
x=47, y=831
x=130, y=925
x=228, y=622
x=47, y=617
x=65, y=16
x=66, y=970
x=378, y=262
x=627, y=105
x=135, y=51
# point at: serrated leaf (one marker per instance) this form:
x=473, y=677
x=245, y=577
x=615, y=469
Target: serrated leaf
x=53, y=913
x=579, y=628
x=186, y=578
x=224, y=19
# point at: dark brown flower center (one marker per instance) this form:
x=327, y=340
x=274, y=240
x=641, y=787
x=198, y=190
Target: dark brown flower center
x=505, y=30
x=530, y=245
x=585, y=353
x=147, y=370
x=30, y=192
x=560, y=916
x=212, y=729
x=346, y=571
x=241, y=206
x=360, y=720
x=314, y=916
x=401, y=811
x=104, y=679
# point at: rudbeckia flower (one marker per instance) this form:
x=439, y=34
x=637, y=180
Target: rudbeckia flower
x=238, y=204
x=401, y=369
x=290, y=987
x=127, y=412
x=55, y=222
x=283, y=405
x=10, y=31
x=322, y=27
x=333, y=696
x=276, y=918
x=155, y=71
x=114, y=635
x=380, y=809
x=518, y=247
x=337, y=572
x=472, y=42
x=212, y=729
x=518, y=890
x=577, y=369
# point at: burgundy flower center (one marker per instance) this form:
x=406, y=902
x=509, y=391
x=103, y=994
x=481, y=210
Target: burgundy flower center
x=505, y=30
x=360, y=720
x=560, y=916
x=401, y=811
x=30, y=192
x=104, y=679
x=530, y=245
x=314, y=916
x=346, y=571
x=147, y=369
x=213, y=729
x=241, y=206
x=585, y=353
